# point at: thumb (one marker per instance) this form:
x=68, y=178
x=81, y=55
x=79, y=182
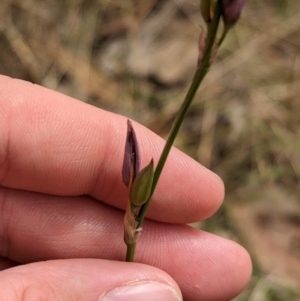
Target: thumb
x=87, y=279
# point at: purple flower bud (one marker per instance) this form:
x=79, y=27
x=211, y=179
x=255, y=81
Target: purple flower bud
x=231, y=11
x=131, y=162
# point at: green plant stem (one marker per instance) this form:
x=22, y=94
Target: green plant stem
x=223, y=36
x=130, y=252
x=197, y=79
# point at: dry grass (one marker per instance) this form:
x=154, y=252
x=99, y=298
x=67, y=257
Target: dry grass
x=137, y=58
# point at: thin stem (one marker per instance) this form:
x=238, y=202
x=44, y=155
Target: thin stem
x=223, y=36
x=197, y=79
x=130, y=252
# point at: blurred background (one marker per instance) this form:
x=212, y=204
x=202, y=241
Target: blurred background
x=137, y=58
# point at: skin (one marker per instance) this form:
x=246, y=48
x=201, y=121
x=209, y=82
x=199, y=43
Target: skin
x=62, y=204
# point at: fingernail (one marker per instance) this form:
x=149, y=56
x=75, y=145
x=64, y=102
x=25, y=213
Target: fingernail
x=147, y=291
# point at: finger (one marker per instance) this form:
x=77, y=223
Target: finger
x=39, y=227
x=89, y=280
x=54, y=144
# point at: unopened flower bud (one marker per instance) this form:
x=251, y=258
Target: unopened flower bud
x=141, y=186
x=232, y=10
x=131, y=162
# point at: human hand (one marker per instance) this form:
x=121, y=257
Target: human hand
x=62, y=203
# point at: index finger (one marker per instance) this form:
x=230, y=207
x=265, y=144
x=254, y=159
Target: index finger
x=54, y=144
